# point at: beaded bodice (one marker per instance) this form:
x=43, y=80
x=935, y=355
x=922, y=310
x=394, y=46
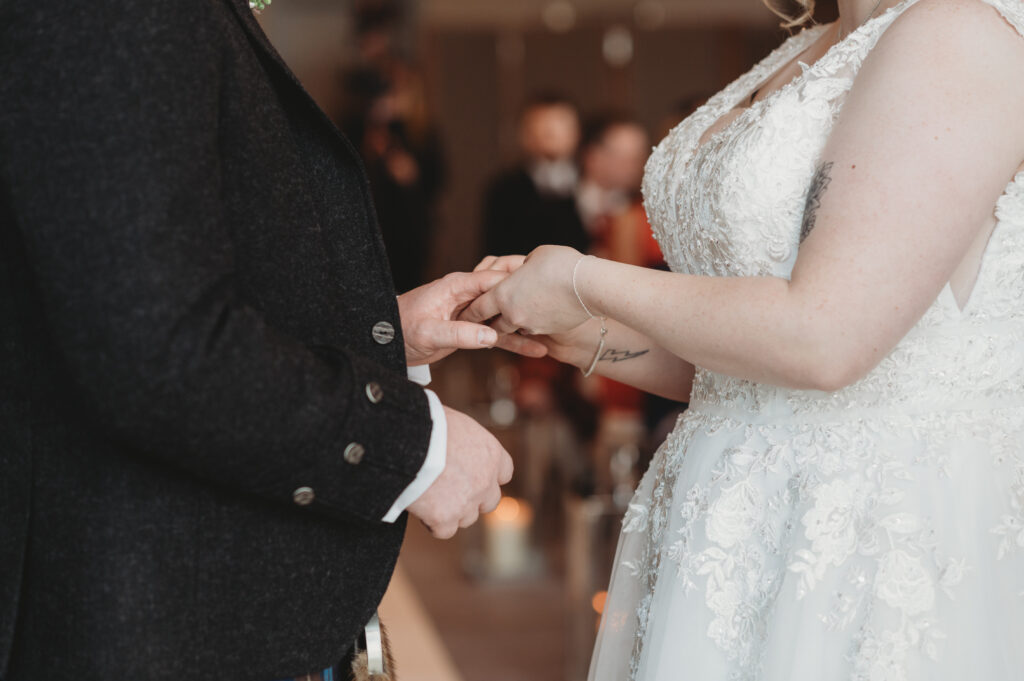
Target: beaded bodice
x=732, y=206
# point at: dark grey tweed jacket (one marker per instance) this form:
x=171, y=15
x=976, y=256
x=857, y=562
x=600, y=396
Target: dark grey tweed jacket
x=189, y=274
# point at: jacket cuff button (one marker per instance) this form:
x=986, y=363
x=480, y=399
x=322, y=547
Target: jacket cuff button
x=383, y=333
x=303, y=496
x=354, y=453
x=374, y=392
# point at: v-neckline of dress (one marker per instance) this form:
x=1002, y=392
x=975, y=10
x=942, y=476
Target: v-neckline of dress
x=818, y=65
x=756, y=87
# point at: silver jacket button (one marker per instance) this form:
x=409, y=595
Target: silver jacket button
x=383, y=333
x=354, y=453
x=374, y=392
x=303, y=496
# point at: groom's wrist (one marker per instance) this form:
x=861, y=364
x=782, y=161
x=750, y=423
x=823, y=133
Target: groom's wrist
x=433, y=465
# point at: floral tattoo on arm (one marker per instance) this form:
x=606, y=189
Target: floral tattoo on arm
x=820, y=182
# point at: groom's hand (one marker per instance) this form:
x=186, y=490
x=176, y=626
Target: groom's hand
x=475, y=468
x=429, y=318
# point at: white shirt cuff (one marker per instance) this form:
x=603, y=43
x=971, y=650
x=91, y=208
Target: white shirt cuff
x=433, y=465
x=420, y=374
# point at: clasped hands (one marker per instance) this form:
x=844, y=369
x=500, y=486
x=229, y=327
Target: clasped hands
x=539, y=300
x=485, y=309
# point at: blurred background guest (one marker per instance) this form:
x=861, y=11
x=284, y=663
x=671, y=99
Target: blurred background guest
x=388, y=120
x=527, y=205
x=614, y=151
x=612, y=156
x=532, y=203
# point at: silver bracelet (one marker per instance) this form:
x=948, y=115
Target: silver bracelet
x=604, y=327
x=576, y=290
x=600, y=349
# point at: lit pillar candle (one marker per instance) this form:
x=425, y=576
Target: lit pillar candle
x=507, y=538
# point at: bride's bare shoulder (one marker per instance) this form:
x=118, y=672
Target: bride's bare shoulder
x=943, y=51
x=990, y=28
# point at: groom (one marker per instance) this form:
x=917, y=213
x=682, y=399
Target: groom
x=207, y=436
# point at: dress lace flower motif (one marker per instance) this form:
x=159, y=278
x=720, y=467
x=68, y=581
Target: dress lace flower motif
x=734, y=515
x=831, y=524
x=903, y=583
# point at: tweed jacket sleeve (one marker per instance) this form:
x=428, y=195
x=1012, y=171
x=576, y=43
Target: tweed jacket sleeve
x=112, y=160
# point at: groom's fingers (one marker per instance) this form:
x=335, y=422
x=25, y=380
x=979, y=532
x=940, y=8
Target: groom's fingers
x=469, y=519
x=446, y=531
x=491, y=501
x=440, y=335
x=506, y=469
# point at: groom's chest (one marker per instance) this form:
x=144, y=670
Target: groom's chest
x=306, y=243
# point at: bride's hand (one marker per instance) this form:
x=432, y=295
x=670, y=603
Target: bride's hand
x=537, y=298
x=503, y=263
x=513, y=342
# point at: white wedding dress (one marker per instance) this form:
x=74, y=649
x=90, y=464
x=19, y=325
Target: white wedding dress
x=874, y=533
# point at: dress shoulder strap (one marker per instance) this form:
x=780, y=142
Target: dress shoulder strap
x=728, y=97
x=1012, y=11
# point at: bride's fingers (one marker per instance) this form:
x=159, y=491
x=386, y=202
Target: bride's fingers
x=486, y=263
x=504, y=263
x=508, y=263
x=483, y=308
x=503, y=326
x=465, y=287
x=522, y=346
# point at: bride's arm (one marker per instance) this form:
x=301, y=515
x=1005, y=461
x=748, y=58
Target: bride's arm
x=928, y=138
x=627, y=356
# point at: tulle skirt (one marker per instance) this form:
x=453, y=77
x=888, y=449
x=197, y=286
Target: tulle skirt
x=882, y=545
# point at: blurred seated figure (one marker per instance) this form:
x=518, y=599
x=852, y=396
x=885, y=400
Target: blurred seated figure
x=388, y=120
x=612, y=156
x=614, y=150
x=526, y=206
x=533, y=203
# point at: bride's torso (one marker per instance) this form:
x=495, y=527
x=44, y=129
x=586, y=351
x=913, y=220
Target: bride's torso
x=726, y=191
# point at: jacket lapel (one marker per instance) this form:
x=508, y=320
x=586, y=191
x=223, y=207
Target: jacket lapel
x=259, y=38
x=266, y=49
x=274, y=61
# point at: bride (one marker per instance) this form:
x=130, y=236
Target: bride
x=844, y=498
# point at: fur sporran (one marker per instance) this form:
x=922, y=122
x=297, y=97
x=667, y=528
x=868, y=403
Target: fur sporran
x=360, y=663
